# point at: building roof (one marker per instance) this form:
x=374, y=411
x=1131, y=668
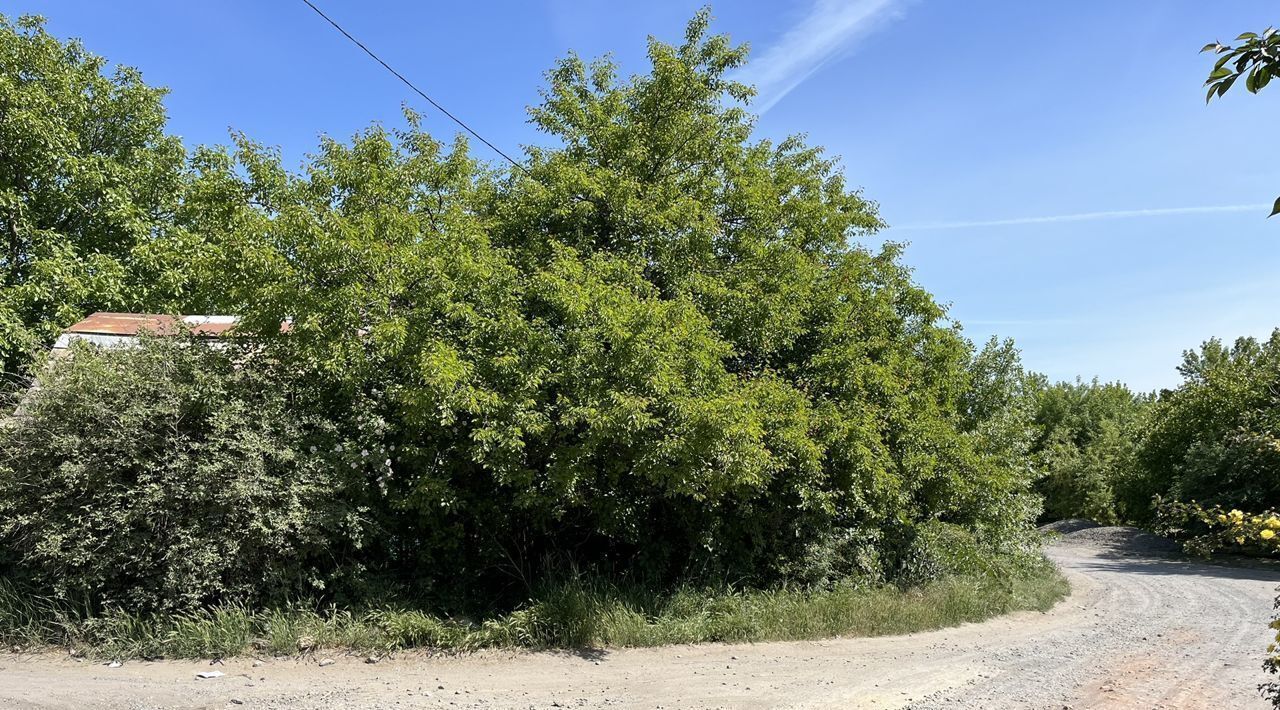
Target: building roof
x=123, y=329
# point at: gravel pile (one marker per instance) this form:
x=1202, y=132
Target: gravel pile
x=1126, y=539
x=1068, y=526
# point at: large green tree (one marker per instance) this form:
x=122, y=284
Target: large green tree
x=88, y=185
x=655, y=346
x=655, y=349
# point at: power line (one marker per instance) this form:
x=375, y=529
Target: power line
x=416, y=90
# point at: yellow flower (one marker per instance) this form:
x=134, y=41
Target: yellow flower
x=1240, y=541
x=1236, y=515
x=1222, y=518
x=1267, y=534
x=1273, y=522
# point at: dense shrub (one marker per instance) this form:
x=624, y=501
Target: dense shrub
x=1106, y=453
x=654, y=352
x=169, y=477
x=1085, y=445
x=1216, y=438
x=1209, y=530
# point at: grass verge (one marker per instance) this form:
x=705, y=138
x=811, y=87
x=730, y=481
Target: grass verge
x=581, y=613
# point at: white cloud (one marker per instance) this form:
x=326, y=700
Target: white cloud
x=1085, y=217
x=822, y=35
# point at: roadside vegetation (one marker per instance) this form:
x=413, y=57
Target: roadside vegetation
x=574, y=614
x=1110, y=455
x=645, y=386
x=1255, y=442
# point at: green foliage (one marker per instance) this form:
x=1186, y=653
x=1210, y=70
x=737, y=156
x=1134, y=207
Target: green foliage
x=1216, y=438
x=1257, y=59
x=1271, y=664
x=655, y=354
x=578, y=612
x=88, y=191
x=998, y=404
x=166, y=478
x=1210, y=530
x=1087, y=434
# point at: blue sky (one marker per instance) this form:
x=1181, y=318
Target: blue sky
x=1052, y=164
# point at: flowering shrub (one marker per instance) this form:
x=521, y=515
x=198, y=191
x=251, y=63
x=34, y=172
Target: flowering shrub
x=1207, y=530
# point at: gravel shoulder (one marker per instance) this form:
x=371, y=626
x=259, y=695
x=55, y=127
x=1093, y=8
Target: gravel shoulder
x=1141, y=629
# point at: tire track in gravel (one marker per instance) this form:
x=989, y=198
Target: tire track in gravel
x=1138, y=631
x=1164, y=633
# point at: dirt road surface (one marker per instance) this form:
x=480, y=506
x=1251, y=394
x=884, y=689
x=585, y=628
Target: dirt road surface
x=1138, y=631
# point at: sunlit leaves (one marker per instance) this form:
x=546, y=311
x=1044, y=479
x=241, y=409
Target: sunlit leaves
x=1257, y=59
x=89, y=185
x=658, y=346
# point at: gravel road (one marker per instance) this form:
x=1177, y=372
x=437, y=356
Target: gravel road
x=1139, y=631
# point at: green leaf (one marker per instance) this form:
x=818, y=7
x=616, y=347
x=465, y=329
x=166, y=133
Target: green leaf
x=1207, y=47
x=1264, y=78
x=1275, y=209
x=1220, y=73
x=1247, y=35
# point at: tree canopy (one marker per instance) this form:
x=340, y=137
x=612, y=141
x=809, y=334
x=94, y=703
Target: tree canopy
x=89, y=184
x=656, y=350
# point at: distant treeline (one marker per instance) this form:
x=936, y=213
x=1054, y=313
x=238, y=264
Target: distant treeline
x=1105, y=452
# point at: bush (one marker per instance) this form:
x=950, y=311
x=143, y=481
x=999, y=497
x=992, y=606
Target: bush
x=1209, y=530
x=655, y=352
x=169, y=477
x=1271, y=664
x=1086, y=438
x=1216, y=438
x=660, y=354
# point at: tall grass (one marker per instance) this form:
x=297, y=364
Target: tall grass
x=576, y=613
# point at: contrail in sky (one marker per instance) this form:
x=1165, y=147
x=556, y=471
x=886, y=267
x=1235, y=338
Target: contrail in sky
x=1084, y=217
x=827, y=31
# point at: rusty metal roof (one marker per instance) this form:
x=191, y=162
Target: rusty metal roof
x=133, y=324
x=123, y=329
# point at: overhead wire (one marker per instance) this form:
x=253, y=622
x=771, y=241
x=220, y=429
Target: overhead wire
x=413, y=87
